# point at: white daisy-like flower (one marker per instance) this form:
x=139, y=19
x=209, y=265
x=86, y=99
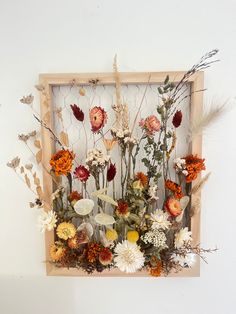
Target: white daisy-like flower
x=184, y=261
x=128, y=257
x=47, y=221
x=160, y=220
x=182, y=237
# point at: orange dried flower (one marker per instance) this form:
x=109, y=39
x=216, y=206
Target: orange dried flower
x=142, y=178
x=174, y=188
x=109, y=143
x=74, y=196
x=194, y=165
x=122, y=209
x=61, y=162
x=57, y=252
x=156, y=271
x=93, y=251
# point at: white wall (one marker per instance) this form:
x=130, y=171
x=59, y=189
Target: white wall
x=83, y=36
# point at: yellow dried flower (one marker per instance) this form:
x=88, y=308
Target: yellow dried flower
x=57, y=252
x=111, y=234
x=66, y=230
x=132, y=236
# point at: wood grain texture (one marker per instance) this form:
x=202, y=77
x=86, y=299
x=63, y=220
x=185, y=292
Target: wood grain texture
x=48, y=81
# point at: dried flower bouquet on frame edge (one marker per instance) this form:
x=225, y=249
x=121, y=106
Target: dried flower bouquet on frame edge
x=122, y=202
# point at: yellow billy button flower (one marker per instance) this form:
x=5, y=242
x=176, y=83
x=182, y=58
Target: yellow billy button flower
x=111, y=234
x=132, y=236
x=66, y=230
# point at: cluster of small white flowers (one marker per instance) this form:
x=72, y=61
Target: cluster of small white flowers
x=124, y=135
x=184, y=261
x=180, y=166
x=155, y=237
x=57, y=193
x=152, y=192
x=96, y=158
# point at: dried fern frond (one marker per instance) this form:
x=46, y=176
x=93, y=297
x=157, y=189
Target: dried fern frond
x=206, y=119
x=200, y=184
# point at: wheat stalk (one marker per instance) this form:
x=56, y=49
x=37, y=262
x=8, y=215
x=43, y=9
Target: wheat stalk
x=200, y=184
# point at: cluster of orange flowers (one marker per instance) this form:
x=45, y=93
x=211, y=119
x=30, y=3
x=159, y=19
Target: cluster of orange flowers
x=92, y=252
x=194, y=165
x=174, y=188
x=61, y=162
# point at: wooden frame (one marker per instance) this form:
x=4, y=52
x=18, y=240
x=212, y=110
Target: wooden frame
x=47, y=81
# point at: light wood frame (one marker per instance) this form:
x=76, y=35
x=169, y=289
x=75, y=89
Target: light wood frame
x=47, y=81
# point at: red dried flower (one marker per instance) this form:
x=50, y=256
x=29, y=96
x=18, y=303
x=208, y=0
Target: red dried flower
x=81, y=173
x=194, y=165
x=78, y=113
x=105, y=256
x=74, y=196
x=98, y=118
x=177, y=119
x=122, y=209
x=111, y=172
x=174, y=188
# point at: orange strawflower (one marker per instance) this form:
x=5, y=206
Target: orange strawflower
x=74, y=196
x=174, y=188
x=57, y=252
x=194, y=165
x=156, y=270
x=142, y=178
x=93, y=251
x=61, y=162
x=122, y=210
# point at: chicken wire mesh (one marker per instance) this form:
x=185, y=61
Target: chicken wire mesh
x=80, y=136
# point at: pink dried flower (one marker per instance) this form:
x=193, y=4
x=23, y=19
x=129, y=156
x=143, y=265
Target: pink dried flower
x=98, y=118
x=151, y=124
x=81, y=173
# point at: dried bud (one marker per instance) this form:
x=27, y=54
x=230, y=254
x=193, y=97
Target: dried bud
x=111, y=172
x=78, y=113
x=177, y=119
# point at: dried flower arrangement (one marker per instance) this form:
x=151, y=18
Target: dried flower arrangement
x=129, y=227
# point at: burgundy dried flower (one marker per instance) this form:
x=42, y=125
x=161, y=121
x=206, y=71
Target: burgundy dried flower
x=177, y=119
x=78, y=113
x=111, y=172
x=81, y=173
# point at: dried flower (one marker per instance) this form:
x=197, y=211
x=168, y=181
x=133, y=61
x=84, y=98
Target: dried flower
x=97, y=160
x=140, y=176
x=61, y=162
x=109, y=143
x=155, y=237
x=84, y=206
x=156, y=270
x=57, y=251
x=132, y=236
x=74, y=196
x=81, y=173
x=47, y=221
x=105, y=256
x=111, y=234
x=128, y=257
x=14, y=163
x=151, y=125
x=78, y=113
x=177, y=119
x=66, y=230
x=172, y=205
x=27, y=99
x=194, y=165
x=174, y=188
x=111, y=172
x=93, y=251
x=182, y=237
x=160, y=220
x=122, y=210
x=152, y=192
x=80, y=238
x=186, y=260
x=98, y=118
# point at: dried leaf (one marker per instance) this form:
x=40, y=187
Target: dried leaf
x=107, y=199
x=39, y=87
x=82, y=91
x=27, y=181
x=47, y=117
x=28, y=166
x=14, y=163
x=37, y=143
x=64, y=138
x=22, y=170
x=39, y=156
x=36, y=179
x=39, y=192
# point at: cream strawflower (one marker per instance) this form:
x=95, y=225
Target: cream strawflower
x=184, y=261
x=182, y=237
x=47, y=221
x=160, y=220
x=128, y=257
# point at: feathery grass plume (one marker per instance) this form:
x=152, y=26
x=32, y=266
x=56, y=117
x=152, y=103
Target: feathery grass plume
x=200, y=184
x=205, y=120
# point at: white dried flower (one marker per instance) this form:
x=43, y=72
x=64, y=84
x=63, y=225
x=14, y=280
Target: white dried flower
x=182, y=237
x=152, y=192
x=187, y=260
x=47, y=221
x=128, y=257
x=160, y=220
x=155, y=237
